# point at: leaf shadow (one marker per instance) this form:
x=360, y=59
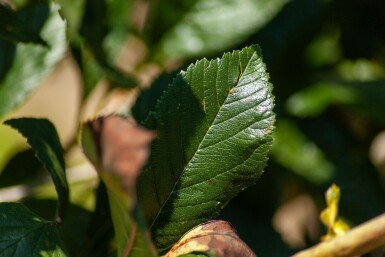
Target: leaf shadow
x=178, y=117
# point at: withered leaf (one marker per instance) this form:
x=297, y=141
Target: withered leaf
x=118, y=148
x=122, y=148
x=216, y=237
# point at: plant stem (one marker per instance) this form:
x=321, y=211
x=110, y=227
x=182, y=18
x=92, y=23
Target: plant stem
x=360, y=240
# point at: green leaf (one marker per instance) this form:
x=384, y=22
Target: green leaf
x=104, y=20
x=366, y=98
x=27, y=64
x=214, y=127
x=25, y=234
x=211, y=26
x=73, y=11
x=163, y=16
x=147, y=99
x=313, y=100
x=43, y=139
x=294, y=151
x=13, y=29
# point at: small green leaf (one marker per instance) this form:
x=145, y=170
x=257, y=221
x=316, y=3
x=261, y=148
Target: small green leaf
x=295, y=152
x=209, y=26
x=27, y=64
x=313, y=100
x=22, y=233
x=43, y=139
x=366, y=98
x=104, y=19
x=214, y=127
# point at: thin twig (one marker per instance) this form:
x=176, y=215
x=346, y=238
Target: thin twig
x=358, y=241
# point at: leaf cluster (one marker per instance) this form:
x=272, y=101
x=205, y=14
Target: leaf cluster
x=325, y=59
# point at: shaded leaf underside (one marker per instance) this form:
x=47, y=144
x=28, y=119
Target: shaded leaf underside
x=44, y=141
x=213, y=126
x=22, y=233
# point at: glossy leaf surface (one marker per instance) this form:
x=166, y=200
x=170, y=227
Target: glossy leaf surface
x=214, y=128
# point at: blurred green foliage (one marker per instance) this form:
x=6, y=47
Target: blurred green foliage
x=326, y=60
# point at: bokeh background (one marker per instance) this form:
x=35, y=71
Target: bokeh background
x=73, y=59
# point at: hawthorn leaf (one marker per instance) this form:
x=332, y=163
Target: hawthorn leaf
x=23, y=233
x=118, y=149
x=28, y=64
x=149, y=97
x=44, y=141
x=209, y=26
x=217, y=237
x=213, y=125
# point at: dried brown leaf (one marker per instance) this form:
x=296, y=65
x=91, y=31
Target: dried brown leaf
x=122, y=149
x=216, y=237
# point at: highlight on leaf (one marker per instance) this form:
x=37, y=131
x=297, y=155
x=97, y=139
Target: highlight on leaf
x=216, y=237
x=329, y=216
x=214, y=125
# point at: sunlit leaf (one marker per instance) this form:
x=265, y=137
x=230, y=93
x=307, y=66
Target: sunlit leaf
x=314, y=100
x=214, y=126
x=25, y=234
x=210, y=26
x=44, y=141
x=217, y=237
x=28, y=64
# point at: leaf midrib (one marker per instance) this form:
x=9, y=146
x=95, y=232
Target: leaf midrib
x=200, y=144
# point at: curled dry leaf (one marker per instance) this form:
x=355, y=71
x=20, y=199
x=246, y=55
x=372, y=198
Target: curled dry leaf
x=216, y=237
x=122, y=148
x=118, y=148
